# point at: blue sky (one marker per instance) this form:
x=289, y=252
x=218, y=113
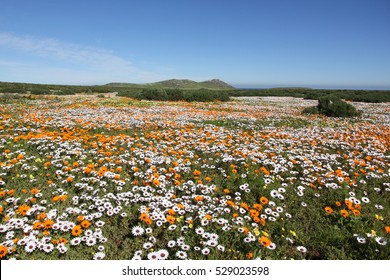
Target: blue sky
x=247, y=43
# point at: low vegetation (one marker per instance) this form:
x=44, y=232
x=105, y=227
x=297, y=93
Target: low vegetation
x=192, y=91
x=370, y=96
x=83, y=177
x=332, y=106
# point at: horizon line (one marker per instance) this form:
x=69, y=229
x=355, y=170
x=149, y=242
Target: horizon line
x=241, y=86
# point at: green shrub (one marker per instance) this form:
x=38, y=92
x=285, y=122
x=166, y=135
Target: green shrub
x=39, y=91
x=332, y=106
x=65, y=91
x=132, y=93
x=153, y=94
x=175, y=94
x=313, y=95
x=206, y=95
x=310, y=110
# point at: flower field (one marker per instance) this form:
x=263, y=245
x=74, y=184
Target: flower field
x=115, y=178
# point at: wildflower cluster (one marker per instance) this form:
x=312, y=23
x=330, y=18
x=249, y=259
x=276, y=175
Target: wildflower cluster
x=85, y=178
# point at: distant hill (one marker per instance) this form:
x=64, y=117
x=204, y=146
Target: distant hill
x=122, y=85
x=179, y=83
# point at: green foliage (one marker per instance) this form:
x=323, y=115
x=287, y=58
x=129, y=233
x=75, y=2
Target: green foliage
x=200, y=95
x=205, y=95
x=300, y=183
x=334, y=107
x=293, y=92
x=311, y=110
x=193, y=91
x=152, y=94
x=175, y=94
x=128, y=92
x=371, y=96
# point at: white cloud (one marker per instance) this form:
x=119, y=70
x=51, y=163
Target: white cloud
x=74, y=63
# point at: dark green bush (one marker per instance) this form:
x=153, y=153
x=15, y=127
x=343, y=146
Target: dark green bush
x=332, y=106
x=206, y=95
x=39, y=91
x=175, y=94
x=222, y=96
x=313, y=95
x=132, y=93
x=153, y=94
x=310, y=110
x=65, y=91
x=197, y=95
x=200, y=95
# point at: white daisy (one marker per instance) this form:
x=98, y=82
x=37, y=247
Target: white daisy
x=62, y=248
x=361, y=240
x=172, y=227
x=3, y=228
x=199, y=230
x=274, y=193
x=90, y=241
x=162, y=254
x=302, y=249
x=205, y=251
x=48, y=248
x=272, y=246
x=137, y=231
x=212, y=243
x=282, y=190
x=30, y=246
x=99, y=256
x=171, y=243
x=246, y=240
x=379, y=207
x=221, y=248
x=181, y=255
x=138, y=253
x=153, y=256
x=147, y=245
x=381, y=241
x=214, y=236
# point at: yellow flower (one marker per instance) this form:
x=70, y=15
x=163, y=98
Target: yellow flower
x=256, y=231
x=379, y=217
x=293, y=233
